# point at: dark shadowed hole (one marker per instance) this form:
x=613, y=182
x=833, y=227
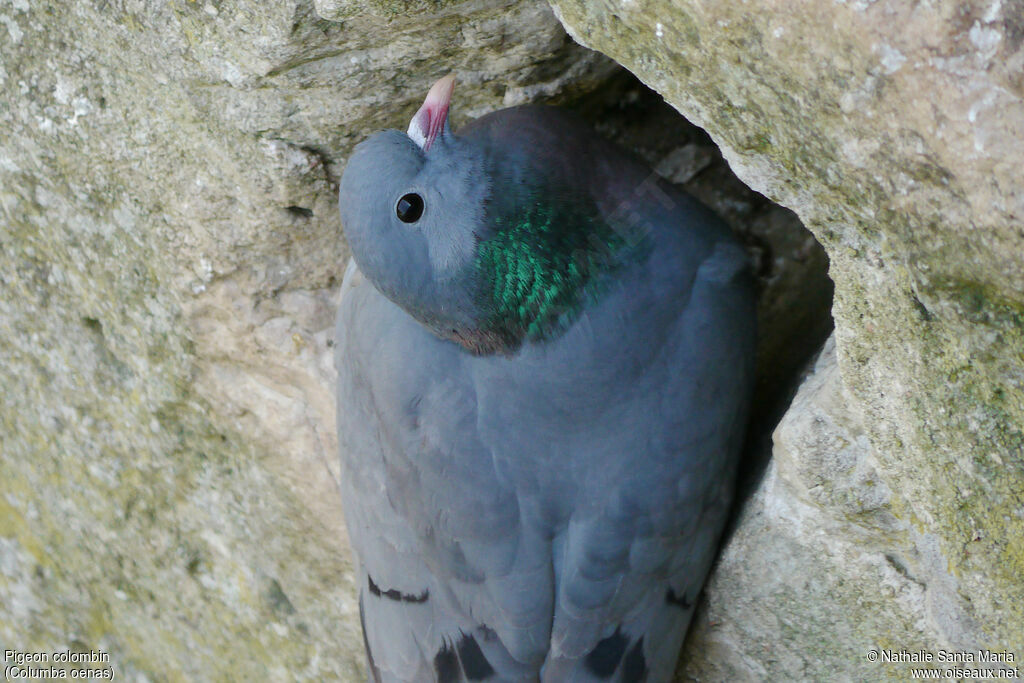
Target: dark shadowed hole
x=299, y=211
x=93, y=325
x=277, y=598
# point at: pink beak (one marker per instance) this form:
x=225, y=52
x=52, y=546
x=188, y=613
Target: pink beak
x=429, y=120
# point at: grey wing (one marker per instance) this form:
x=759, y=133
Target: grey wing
x=452, y=586
x=649, y=485
x=633, y=569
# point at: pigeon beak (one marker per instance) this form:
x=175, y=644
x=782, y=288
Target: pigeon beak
x=430, y=119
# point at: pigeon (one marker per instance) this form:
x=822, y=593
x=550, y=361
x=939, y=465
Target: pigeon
x=545, y=361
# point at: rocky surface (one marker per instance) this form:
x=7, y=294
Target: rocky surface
x=893, y=129
x=820, y=570
x=169, y=260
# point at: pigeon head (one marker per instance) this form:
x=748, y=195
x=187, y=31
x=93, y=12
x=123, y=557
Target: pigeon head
x=412, y=205
x=475, y=238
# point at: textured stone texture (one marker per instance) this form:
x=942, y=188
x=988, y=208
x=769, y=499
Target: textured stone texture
x=894, y=130
x=819, y=570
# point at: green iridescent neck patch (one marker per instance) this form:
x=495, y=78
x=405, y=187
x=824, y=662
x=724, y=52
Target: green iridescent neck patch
x=538, y=270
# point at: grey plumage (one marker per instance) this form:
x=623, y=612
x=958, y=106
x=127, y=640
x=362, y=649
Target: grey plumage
x=535, y=489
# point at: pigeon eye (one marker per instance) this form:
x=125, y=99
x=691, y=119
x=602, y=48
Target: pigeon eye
x=409, y=208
